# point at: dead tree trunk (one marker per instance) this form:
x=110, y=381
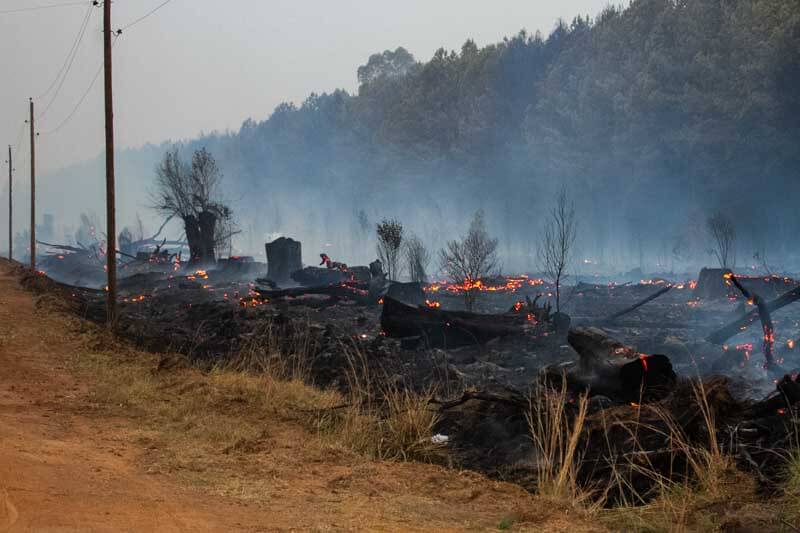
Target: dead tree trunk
x=208, y=238
x=200, y=235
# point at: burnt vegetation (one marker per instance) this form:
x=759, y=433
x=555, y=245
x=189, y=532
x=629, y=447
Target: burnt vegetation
x=614, y=142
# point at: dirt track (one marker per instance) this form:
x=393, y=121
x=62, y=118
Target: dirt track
x=63, y=471
x=64, y=467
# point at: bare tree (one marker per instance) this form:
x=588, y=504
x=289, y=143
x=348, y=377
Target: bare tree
x=417, y=259
x=192, y=193
x=470, y=259
x=390, y=242
x=723, y=233
x=558, y=239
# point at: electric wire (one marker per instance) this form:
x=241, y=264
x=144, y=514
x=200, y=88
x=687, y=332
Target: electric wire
x=71, y=59
x=37, y=8
x=75, y=44
x=18, y=144
x=80, y=101
x=137, y=21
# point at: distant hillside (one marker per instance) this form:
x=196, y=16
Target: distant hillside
x=651, y=114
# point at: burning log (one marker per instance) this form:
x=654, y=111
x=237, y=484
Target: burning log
x=446, y=329
x=741, y=323
x=612, y=369
x=640, y=303
x=763, y=315
x=540, y=314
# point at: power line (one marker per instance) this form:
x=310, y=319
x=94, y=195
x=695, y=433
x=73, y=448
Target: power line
x=75, y=44
x=69, y=61
x=37, y=8
x=80, y=102
x=18, y=144
x=137, y=21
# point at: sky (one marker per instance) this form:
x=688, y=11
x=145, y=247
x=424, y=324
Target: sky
x=203, y=65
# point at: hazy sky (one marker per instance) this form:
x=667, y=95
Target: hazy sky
x=201, y=65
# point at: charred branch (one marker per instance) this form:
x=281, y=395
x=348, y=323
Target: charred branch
x=741, y=323
x=637, y=305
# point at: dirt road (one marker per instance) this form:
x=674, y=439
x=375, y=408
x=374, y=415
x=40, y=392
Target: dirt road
x=64, y=467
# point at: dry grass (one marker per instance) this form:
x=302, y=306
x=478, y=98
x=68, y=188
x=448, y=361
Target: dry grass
x=384, y=421
x=281, y=353
x=235, y=406
x=556, y=436
x=708, y=494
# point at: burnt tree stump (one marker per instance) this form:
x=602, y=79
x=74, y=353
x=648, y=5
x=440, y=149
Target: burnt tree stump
x=711, y=284
x=284, y=256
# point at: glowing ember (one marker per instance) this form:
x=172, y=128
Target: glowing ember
x=433, y=304
x=512, y=284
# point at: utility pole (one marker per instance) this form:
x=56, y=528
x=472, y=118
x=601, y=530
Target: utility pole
x=111, y=223
x=33, y=191
x=10, y=205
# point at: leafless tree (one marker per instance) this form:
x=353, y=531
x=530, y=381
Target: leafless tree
x=390, y=242
x=723, y=233
x=192, y=193
x=470, y=259
x=417, y=259
x=558, y=239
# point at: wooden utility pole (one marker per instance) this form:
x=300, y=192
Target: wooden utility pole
x=10, y=205
x=33, y=190
x=111, y=223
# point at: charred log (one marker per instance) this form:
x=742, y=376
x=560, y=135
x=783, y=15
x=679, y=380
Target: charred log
x=763, y=314
x=441, y=329
x=342, y=291
x=741, y=323
x=608, y=368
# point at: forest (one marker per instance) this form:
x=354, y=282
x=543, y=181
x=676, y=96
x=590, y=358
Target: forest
x=652, y=115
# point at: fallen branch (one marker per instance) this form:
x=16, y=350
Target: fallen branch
x=640, y=303
x=510, y=397
x=741, y=323
x=763, y=314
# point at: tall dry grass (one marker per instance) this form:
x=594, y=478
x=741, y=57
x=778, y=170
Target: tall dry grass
x=384, y=419
x=282, y=352
x=556, y=435
x=677, y=499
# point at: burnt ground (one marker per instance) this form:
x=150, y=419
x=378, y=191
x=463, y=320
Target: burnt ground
x=209, y=315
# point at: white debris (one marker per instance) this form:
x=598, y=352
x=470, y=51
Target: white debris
x=440, y=439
